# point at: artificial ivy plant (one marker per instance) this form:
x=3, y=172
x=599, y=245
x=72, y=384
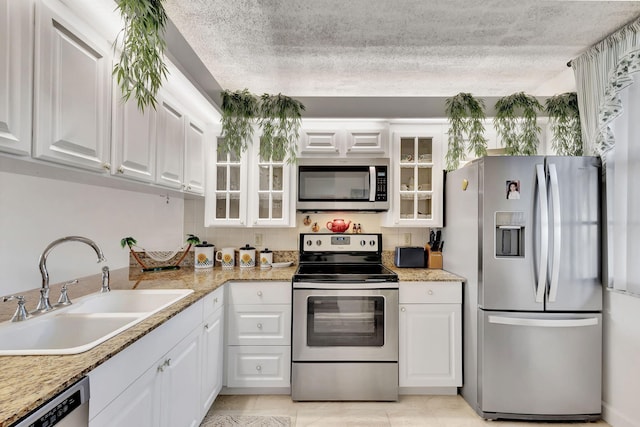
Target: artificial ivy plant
x=141, y=67
x=239, y=109
x=564, y=118
x=278, y=116
x=466, y=115
x=516, y=123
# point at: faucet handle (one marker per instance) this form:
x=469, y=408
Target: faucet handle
x=105, y=280
x=64, y=297
x=21, y=313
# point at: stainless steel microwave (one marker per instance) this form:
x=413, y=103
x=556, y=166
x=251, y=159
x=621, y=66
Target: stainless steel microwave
x=343, y=184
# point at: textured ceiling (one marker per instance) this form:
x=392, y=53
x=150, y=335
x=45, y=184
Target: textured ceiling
x=395, y=48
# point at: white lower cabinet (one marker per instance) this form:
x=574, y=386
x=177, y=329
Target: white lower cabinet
x=430, y=356
x=259, y=335
x=170, y=377
x=212, y=349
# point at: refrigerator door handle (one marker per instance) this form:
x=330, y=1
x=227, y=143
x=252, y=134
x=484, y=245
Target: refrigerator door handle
x=557, y=229
x=543, y=323
x=544, y=232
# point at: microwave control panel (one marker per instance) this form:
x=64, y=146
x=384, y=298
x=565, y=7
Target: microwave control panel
x=381, y=183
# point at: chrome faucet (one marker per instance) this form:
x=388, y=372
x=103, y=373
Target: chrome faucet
x=44, y=304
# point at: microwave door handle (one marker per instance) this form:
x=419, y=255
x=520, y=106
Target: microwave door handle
x=372, y=183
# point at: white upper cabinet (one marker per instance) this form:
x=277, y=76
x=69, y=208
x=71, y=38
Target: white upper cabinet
x=133, y=140
x=16, y=74
x=226, y=189
x=194, y=164
x=72, y=89
x=249, y=190
x=171, y=143
x=343, y=138
x=417, y=176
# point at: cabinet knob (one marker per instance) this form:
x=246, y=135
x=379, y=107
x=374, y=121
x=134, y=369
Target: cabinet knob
x=430, y=292
x=259, y=293
x=120, y=169
x=403, y=309
x=258, y=368
x=206, y=326
x=106, y=166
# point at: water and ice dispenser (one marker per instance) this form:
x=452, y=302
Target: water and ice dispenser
x=509, y=234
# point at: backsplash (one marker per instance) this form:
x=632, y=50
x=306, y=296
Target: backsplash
x=287, y=239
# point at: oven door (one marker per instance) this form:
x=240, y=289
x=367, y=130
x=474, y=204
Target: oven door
x=345, y=325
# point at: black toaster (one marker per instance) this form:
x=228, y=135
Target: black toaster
x=410, y=257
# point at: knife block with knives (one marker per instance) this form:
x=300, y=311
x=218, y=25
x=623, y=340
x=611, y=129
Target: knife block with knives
x=434, y=250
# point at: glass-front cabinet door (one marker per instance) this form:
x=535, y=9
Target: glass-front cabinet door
x=270, y=203
x=417, y=177
x=226, y=204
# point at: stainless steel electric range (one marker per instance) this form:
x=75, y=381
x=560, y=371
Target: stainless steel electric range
x=345, y=320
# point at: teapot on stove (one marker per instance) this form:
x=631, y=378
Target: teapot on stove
x=338, y=225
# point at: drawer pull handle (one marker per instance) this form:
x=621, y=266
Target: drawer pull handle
x=259, y=293
x=258, y=368
x=259, y=325
x=430, y=292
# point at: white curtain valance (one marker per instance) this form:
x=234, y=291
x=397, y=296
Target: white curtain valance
x=619, y=79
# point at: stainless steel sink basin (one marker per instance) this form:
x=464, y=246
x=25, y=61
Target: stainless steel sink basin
x=91, y=320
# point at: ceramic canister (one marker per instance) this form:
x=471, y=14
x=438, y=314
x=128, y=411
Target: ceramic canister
x=226, y=257
x=266, y=258
x=204, y=253
x=247, y=257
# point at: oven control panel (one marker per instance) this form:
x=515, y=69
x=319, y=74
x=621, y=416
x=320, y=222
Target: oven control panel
x=341, y=242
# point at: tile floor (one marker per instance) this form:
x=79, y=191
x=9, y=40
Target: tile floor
x=423, y=411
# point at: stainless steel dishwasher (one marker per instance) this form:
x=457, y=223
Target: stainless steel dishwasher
x=68, y=409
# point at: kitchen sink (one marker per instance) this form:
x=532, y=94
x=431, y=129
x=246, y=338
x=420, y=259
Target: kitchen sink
x=129, y=301
x=89, y=321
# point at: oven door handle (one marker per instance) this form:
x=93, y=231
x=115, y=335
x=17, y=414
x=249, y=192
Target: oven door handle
x=372, y=183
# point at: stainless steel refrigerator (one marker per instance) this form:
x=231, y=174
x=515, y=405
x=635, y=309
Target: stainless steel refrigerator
x=525, y=234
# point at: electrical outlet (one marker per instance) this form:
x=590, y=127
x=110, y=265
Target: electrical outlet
x=257, y=239
x=407, y=239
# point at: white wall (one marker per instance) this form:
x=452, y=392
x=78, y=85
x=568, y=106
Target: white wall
x=34, y=211
x=621, y=382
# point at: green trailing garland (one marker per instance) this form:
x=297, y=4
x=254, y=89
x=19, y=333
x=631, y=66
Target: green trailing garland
x=280, y=119
x=466, y=115
x=278, y=116
x=564, y=118
x=141, y=68
x=239, y=109
x=516, y=123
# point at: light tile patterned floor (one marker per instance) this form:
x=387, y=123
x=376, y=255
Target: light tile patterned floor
x=423, y=411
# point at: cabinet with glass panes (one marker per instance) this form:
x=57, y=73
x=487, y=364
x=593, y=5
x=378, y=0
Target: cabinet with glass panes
x=250, y=190
x=417, y=176
x=226, y=198
x=270, y=204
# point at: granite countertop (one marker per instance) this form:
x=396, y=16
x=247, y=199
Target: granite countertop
x=29, y=381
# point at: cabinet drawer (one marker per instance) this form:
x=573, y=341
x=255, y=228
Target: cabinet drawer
x=260, y=293
x=213, y=301
x=430, y=292
x=258, y=366
x=259, y=325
